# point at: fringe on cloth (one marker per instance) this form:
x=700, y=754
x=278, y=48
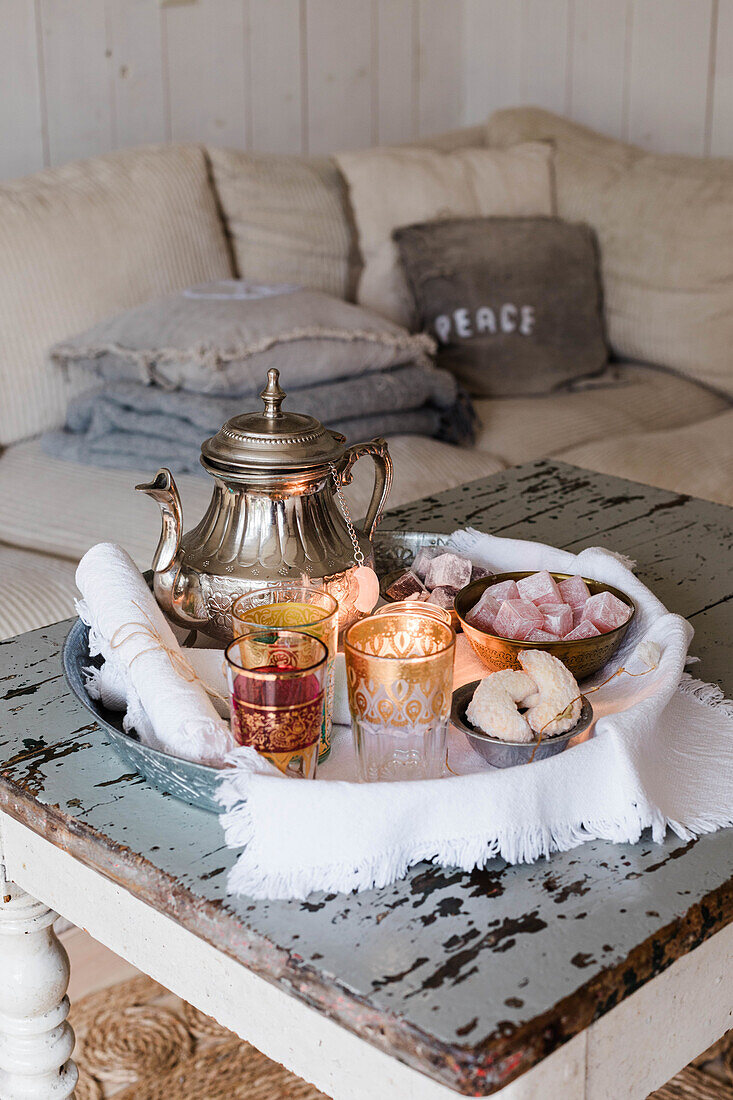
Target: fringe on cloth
x=420, y=344
x=710, y=695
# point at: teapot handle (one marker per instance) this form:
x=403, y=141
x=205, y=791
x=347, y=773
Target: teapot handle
x=379, y=451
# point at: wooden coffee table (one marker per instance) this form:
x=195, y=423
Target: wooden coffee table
x=597, y=973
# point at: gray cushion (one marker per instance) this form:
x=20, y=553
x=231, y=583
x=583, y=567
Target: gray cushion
x=222, y=338
x=515, y=303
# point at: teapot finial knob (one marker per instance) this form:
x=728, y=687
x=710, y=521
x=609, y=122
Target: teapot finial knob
x=273, y=395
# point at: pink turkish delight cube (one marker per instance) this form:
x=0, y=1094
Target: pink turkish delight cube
x=448, y=570
x=483, y=614
x=578, y=614
x=574, y=591
x=584, y=629
x=480, y=571
x=443, y=597
x=504, y=590
x=405, y=587
x=558, y=618
x=542, y=636
x=517, y=619
x=423, y=559
x=605, y=611
x=539, y=588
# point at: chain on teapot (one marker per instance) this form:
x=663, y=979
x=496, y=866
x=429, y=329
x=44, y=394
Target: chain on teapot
x=366, y=579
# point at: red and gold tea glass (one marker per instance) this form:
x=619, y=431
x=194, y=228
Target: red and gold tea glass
x=399, y=674
x=299, y=607
x=277, y=682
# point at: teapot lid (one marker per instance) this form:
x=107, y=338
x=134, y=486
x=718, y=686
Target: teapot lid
x=270, y=441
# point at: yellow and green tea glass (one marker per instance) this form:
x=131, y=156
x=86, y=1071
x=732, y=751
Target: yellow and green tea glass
x=296, y=607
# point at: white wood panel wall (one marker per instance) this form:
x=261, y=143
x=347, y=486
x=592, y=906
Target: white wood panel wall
x=80, y=77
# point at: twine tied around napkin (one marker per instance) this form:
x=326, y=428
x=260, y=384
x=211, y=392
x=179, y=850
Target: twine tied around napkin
x=179, y=663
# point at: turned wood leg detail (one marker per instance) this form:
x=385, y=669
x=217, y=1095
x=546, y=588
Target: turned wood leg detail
x=36, y=1042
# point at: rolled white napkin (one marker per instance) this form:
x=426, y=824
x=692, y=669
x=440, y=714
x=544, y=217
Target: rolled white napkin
x=167, y=707
x=108, y=682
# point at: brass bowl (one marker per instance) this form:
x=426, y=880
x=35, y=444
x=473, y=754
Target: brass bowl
x=391, y=577
x=582, y=657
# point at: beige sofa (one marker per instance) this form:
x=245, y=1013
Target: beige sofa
x=84, y=241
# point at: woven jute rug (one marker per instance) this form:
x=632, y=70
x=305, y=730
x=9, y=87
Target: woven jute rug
x=709, y=1077
x=136, y=1041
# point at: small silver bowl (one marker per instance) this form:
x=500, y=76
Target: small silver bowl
x=506, y=754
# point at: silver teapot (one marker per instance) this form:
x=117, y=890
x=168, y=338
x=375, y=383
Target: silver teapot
x=274, y=515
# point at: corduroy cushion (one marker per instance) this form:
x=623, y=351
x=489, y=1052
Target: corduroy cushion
x=286, y=217
x=697, y=459
x=391, y=188
x=665, y=228
x=83, y=241
x=628, y=398
x=37, y=590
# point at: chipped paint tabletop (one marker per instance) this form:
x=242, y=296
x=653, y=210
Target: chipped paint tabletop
x=470, y=978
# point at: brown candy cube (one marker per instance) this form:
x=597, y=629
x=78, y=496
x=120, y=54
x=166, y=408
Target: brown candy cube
x=406, y=587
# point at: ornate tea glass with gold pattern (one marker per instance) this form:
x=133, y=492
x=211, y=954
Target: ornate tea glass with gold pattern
x=277, y=682
x=399, y=675
x=300, y=607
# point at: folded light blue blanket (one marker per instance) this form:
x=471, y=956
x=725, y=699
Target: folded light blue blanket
x=131, y=425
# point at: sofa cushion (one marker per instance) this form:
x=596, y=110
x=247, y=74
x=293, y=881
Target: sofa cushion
x=627, y=398
x=86, y=240
x=390, y=188
x=37, y=590
x=696, y=459
x=514, y=303
x=222, y=338
x=665, y=227
x=82, y=505
x=286, y=218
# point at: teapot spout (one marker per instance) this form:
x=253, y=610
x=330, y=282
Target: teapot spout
x=163, y=489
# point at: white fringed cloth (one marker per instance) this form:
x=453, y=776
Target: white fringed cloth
x=660, y=757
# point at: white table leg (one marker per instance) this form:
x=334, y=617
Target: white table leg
x=36, y=1042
